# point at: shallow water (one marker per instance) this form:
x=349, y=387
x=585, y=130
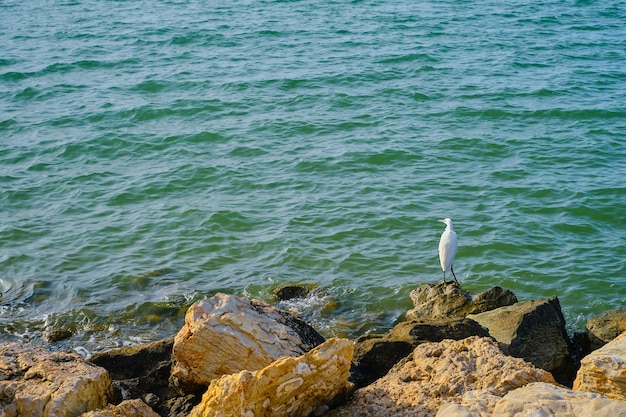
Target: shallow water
x=154, y=153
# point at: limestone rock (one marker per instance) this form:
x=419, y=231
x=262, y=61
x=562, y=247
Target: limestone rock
x=605, y=327
x=535, y=399
x=604, y=370
x=534, y=331
x=373, y=357
x=550, y=400
x=439, y=372
x=128, y=408
x=449, y=300
x=36, y=382
x=225, y=334
x=288, y=387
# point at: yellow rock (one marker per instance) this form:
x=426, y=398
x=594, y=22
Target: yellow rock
x=36, y=382
x=441, y=372
x=535, y=399
x=604, y=370
x=288, y=387
x=225, y=334
x=128, y=408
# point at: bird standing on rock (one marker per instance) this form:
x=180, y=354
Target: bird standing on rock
x=447, y=249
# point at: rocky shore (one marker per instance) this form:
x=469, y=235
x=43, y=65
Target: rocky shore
x=454, y=354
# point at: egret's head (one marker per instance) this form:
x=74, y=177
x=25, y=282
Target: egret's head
x=447, y=221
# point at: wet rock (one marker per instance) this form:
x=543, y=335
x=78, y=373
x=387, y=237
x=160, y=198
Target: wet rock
x=534, y=331
x=436, y=373
x=373, y=357
x=36, y=382
x=225, y=334
x=535, y=399
x=289, y=292
x=291, y=386
x=128, y=408
x=605, y=327
x=449, y=300
x=604, y=370
x=53, y=335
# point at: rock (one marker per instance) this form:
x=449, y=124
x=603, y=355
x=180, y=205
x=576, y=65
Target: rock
x=535, y=399
x=128, y=408
x=449, y=300
x=53, y=335
x=225, y=334
x=36, y=382
x=534, y=331
x=373, y=357
x=287, y=387
x=289, y=292
x=439, y=372
x=178, y=406
x=139, y=370
x=604, y=370
x=605, y=327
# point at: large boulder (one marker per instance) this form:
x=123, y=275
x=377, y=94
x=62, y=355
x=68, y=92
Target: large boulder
x=439, y=372
x=604, y=370
x=375, y=356
x=36, y=382
x=535, y=399
x=449, y=300
x=287, y=387
x=225, y=334
x=605, y=327
x=128, y=408
x=535, y=331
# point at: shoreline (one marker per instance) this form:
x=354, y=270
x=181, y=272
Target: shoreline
x=152, y=373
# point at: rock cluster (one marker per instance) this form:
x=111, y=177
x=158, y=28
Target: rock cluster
x=438, y=372
x=36, y=382
x=457, y=354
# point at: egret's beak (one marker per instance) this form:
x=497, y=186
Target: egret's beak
x=441, y=220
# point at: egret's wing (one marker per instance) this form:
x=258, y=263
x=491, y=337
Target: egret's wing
x=447, y=249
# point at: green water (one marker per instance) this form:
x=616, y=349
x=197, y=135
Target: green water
x=154, y=153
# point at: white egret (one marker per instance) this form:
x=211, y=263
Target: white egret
x=447, y=248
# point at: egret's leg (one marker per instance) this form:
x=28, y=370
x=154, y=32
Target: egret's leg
x=444, y=276
x=452, y=270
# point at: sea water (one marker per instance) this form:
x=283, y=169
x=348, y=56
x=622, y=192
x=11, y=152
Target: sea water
x=153, y=153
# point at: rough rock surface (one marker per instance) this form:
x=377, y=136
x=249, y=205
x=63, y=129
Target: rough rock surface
x=288, y=387
x=374, y=356
x=36, y=382
x=128, y=408
x=440, y=372
x=225, y=334
x=138, y=370
x=449, y=300
x=535, y=399
x=604, y=370
x=142, y=371
x=605, y=327
x=535, y=331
